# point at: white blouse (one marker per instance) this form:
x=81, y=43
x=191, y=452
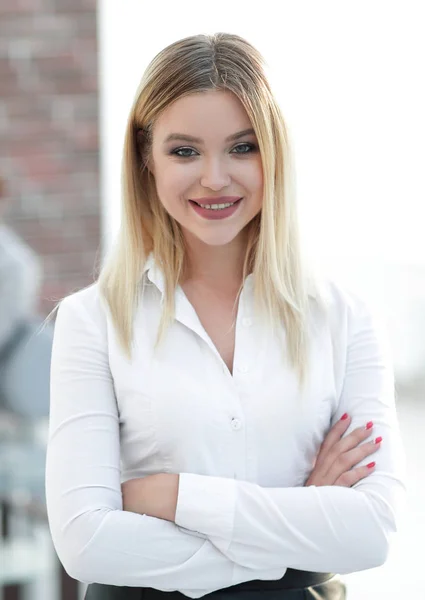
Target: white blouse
x=243, y=446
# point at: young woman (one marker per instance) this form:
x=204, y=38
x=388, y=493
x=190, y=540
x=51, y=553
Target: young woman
x=214, y=405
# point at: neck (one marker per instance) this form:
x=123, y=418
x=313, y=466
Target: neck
x=217, y=267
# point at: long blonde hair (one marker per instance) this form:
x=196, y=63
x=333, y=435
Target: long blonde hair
x=282, y=285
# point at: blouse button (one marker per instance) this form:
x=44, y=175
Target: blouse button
x=236, y=424
x=247, y=322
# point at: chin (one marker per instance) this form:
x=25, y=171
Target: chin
x=218, y=238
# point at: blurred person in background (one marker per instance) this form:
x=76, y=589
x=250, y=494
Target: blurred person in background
x=24, y=356
x=211, y=406
x=20, y=278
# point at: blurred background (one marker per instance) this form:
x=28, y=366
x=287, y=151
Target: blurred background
x=349, y=78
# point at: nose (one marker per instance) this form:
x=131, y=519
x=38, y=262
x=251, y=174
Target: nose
x=215, y=174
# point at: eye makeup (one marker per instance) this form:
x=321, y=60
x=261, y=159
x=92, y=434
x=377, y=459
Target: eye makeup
x=251, y=148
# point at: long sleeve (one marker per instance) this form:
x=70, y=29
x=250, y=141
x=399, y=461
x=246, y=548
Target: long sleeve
x=330, y=528
x=96, y=540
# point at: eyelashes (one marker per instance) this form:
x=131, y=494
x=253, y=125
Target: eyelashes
x=175, y=151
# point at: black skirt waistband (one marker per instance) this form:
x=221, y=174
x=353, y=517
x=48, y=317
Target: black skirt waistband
x=292, y=580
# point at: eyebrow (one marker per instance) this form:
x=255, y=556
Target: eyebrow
x=189, y=138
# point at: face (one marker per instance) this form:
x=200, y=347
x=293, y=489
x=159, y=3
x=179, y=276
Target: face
x=219, y=163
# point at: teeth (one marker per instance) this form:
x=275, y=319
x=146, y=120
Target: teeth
x=217, y=206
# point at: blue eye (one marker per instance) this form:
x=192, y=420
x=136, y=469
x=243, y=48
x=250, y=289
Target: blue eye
x=177, y=151
x=251, y=148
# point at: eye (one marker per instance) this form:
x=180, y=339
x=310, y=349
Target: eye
x=251, y=148
x=177, y=150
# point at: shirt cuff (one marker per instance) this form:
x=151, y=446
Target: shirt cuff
x=206, y=504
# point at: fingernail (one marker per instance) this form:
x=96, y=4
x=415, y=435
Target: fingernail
x=371, y=465
x=344, y=416
x=378, y=439
x=369, y=425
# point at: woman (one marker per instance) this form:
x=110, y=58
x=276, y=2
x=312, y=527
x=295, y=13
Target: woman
x=214, y=407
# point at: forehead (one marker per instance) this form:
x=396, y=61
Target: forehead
x=211, y=112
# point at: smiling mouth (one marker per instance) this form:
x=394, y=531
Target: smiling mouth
x=216, y=206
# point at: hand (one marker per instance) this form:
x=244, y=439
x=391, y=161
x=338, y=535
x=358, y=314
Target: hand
x=337, y=456
x=154, y=495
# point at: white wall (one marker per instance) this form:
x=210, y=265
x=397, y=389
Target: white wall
x=349, y=77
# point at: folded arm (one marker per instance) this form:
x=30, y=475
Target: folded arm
x=329, y=528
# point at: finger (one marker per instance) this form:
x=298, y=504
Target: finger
x=350, y=459
x=332, y=437
x=354, y=439
x=329, y=454
x=349, y=478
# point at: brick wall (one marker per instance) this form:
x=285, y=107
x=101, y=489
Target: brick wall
x=49, y=147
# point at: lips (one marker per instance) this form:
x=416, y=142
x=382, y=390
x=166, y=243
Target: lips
x=219, y=200
x=214, y=214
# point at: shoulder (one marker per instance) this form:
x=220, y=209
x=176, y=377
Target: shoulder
x=344, y=305
x=86, y=305
x=341, y=298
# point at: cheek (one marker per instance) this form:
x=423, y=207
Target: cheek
x=250, y=175
x=173, y=182
x=256, y=186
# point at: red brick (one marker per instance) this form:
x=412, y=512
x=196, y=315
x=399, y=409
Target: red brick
x=62, y=63
x=14, y=26
x=25, y=106
x=9, y=87
x=6, y=69
x=49, y=142
x=72, y=6
x=8, y=7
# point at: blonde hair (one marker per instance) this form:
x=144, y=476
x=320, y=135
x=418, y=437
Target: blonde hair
x=281, y=284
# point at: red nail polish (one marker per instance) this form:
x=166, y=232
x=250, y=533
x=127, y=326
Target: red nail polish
x=371, y=465
x=378, y=439
x=344, y=416
x=369, y=425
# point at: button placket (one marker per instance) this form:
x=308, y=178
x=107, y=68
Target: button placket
x=236, y=424
x=245, y=378
x=238, y=448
